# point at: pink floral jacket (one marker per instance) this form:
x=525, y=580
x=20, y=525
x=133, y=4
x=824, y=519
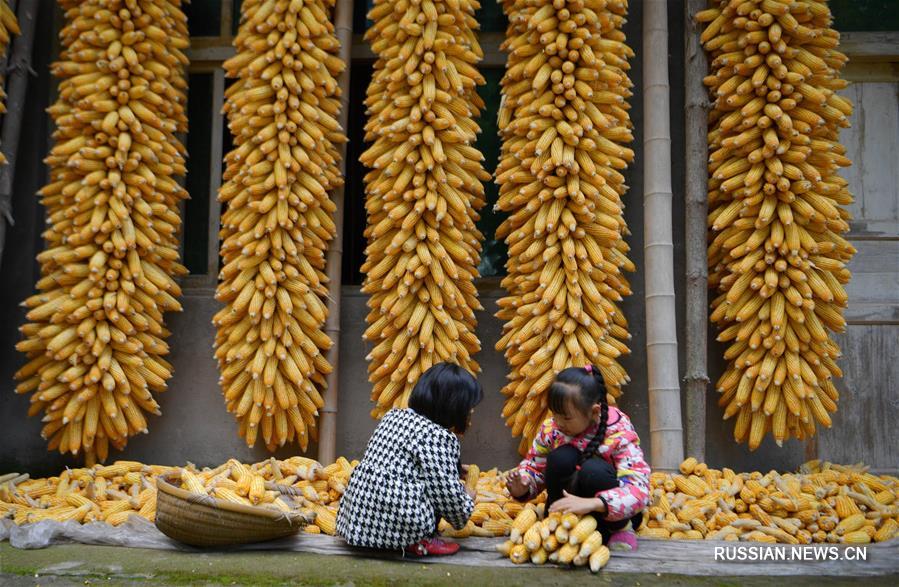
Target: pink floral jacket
x=621, y=448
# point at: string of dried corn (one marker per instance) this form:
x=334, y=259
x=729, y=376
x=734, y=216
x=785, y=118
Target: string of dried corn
x=282, y=113
x=564, y=124
x=95, y=337
x=423, y=192
x=777, y=212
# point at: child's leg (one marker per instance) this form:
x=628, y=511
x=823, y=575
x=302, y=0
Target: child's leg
x=596, y=475
x=561, y=466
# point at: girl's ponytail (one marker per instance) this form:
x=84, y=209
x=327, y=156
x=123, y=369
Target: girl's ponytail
x=600, y=435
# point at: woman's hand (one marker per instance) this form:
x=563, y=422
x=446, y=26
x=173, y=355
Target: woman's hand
x=572, y=504
x=518, y=484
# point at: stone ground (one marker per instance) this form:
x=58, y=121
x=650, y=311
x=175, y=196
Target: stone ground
x=101, y=565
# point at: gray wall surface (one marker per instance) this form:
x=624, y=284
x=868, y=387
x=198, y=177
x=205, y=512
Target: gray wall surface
x=195, y=426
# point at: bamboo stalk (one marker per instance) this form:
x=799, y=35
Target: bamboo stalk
x=665, y=424
x=697, y=153
x=17, y=86
x=327, y=444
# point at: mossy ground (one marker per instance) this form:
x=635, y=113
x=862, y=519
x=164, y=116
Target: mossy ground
x=99, y=565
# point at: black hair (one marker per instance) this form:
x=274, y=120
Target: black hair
x=446, y=394
x=582, y=388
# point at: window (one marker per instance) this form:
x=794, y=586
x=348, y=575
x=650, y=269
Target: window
x=865, y=15
x=494, y=252
x=196, y=209
x=203, y=17
x=210, y=24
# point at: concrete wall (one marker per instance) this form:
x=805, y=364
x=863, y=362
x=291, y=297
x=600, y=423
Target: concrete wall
x=195, y=426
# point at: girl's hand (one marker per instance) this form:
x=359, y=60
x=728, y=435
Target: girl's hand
x=518, y=484
x=572, y=504
x=473, y=494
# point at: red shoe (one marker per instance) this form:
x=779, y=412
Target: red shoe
x=440, y=547
x=433, y=547
x=418, y=549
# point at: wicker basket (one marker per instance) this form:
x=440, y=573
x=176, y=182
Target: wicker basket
x=207, y=521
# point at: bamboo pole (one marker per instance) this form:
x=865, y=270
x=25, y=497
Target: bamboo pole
x=327, y=443
x=697, y=153
x=665, y=425
x=17, y=86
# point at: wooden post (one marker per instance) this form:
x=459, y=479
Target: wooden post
x=697, y=154
x=327, y=439
x=665, y=425
x=17, y=86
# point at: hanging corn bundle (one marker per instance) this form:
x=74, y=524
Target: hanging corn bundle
x=9, y=26
x=423, y=193
x=777, y=212
x=95, y=337
x=282, y=112
x=564, y=124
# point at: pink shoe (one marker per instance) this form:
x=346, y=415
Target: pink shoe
x=623, y=540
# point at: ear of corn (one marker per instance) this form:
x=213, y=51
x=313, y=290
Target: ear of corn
x=538, y=556
x=471, y=481
x=532, y=538
x=569, y=521
x=599, y=558
x=591, y=544
x=95, y=334
x=325, y=518
x=777, y=213
x=582, y=531
x=851, y=524
x=423, y=193
x=522, y=524
x=857, y=537
x=887, y=531
x=687, y=466
x=564, y=126
x=282, y=110
x=519, y=554
x=655, y=533
x=567, y=553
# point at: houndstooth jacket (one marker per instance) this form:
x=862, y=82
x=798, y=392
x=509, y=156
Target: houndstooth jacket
x=407, y=480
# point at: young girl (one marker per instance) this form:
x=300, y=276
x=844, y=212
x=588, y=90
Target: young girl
x=588, y=457
x=409, y=476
